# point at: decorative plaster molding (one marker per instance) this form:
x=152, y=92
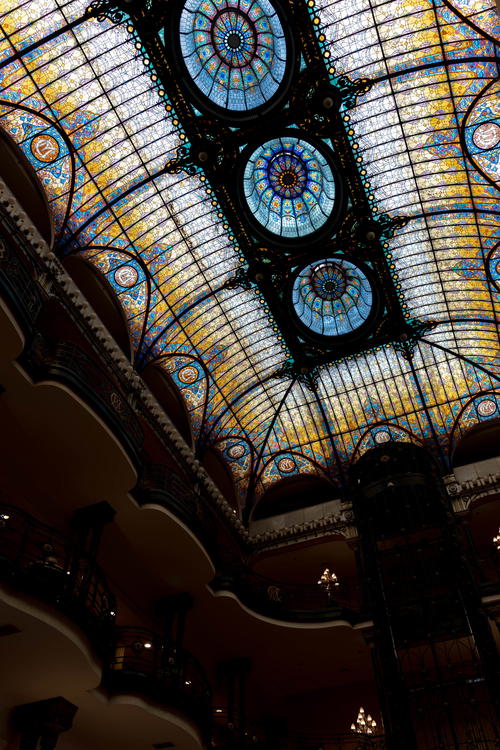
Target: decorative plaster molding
x=137, y=388
x=341, y=522
x=465, y=494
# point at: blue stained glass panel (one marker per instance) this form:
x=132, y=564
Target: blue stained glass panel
x=234, y=50
x=332, y=297
x=289, y=186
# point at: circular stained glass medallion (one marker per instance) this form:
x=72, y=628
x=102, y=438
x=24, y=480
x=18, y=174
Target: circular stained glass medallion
x=286, y=465
x=332, y=297
x=289, y=186
x=126, y=276
x=486, y=408
x=235, y=51
x=486, y=135
x=45, y=148
x=188, y=374
x=382, y=436
x=236, y=451
x=494, y=266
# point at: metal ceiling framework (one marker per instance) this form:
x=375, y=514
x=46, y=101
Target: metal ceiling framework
x=145, y=181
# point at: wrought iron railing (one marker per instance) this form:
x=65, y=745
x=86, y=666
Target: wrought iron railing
x=70, y=364
x=292, y=601
x=161, y=484
x=42, y=562
x=144, y=663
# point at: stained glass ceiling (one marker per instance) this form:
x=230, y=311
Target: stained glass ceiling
x=295, y=203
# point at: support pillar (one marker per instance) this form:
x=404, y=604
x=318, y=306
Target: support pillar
x=434, y=653
x=41, y=723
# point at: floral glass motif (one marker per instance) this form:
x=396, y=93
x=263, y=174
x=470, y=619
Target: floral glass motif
x=289, y=186
x=332, y=297
x=235, y=51
x=420, y=138
x=482, y=132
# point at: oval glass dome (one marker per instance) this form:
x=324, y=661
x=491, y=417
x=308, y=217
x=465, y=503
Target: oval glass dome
x=234, y=50
x=332, y=297
x=289, y=186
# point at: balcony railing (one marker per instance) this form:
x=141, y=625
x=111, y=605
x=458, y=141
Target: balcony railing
x=68, y=363
x=143, y=663
x=42, y=562
x=162, y=485
x=292, y=601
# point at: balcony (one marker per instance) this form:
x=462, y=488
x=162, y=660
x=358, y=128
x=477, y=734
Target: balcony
x=144, y=664
x=41, y=562
x=66, y=362
x=292, y=602
x=161, y=485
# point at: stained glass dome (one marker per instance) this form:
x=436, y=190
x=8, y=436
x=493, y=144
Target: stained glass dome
x=289, y=186
x=96, y=109
x=235, y=51
x=332, y=297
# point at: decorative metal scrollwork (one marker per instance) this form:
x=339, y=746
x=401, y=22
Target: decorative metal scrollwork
x=351, y=89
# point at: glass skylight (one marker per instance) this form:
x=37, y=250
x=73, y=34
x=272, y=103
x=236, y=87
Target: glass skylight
x=82, y=99
x=234, y=50
x=289, y=186
x=332, y=297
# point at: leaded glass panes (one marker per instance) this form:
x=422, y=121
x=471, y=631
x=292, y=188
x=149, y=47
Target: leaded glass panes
x=332, y=297
x=289, y=186
x=235, y=51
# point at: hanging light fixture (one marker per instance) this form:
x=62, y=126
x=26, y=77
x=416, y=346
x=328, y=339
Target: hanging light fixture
x=364, y=723
x=328, y=580
x=496, y=540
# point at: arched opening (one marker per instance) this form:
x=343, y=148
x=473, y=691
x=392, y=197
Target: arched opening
x=221, y=474
x=479, y=443
x=169, y=398
x=102, y=299
x=20, y=177
x=293, y=493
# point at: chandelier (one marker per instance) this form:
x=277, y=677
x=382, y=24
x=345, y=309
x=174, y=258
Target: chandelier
x=496, y=540
x=328, y=580
x=364, y=723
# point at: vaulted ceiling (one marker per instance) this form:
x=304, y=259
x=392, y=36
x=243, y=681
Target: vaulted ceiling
x=296, y=204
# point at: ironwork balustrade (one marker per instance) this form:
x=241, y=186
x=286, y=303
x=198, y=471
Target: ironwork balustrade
x=68, y=363
x=42, y=562
x=161, y=484
x=145, y=664
x=294, y=602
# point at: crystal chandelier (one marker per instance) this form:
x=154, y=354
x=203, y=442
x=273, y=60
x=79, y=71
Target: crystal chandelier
x=364, y=723
x=328, y=580
x=496, y=540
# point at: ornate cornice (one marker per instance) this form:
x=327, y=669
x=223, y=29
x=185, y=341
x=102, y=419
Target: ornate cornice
x=54, y=277
x=465, y=494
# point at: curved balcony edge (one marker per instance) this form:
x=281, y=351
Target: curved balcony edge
x=30, y=277
x=66, y=363
x=285, y=602
x=38, y=561
x=162, y=485
x=144, y=664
